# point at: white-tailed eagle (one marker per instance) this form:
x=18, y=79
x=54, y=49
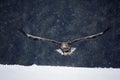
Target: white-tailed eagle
x=65, y=47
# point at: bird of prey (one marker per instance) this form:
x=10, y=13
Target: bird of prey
x=65, y=47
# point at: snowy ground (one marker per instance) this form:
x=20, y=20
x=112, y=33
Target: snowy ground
x=17, y=72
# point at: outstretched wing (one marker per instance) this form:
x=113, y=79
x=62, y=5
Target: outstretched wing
x=91, y=36
x=39, y=38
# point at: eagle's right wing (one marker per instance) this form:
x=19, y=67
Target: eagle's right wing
x=39, y=38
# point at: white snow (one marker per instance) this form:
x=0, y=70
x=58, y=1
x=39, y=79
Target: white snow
x=34, y=72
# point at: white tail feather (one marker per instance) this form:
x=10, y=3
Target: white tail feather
x=67, y=53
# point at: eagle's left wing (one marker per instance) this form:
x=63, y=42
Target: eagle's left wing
x=91, y=36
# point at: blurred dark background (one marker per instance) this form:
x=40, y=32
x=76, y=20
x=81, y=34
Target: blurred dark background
x=61, y=20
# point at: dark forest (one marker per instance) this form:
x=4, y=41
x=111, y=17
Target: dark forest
x=61, y=20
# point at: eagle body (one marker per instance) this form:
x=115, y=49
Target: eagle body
x=65, y=49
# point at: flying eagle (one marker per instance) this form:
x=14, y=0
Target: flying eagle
x=65, y=47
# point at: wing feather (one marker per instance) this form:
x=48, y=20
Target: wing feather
x=91, y=36
x=39, y=38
